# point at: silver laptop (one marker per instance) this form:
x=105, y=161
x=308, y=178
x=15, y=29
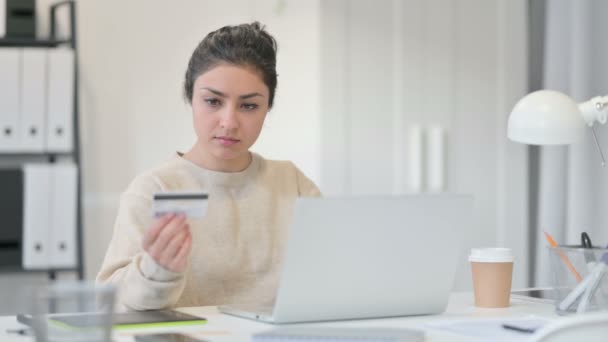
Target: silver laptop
x=367, y=257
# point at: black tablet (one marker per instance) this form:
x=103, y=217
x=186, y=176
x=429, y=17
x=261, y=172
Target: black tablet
x=126, y=320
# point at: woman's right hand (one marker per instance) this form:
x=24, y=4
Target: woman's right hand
x=169, y=242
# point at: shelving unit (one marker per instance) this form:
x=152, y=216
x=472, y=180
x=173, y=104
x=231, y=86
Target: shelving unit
x=50, y=157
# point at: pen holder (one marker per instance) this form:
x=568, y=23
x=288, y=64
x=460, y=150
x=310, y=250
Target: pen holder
x=580, y=279
x=72, y=311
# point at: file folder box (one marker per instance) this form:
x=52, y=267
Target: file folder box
x=21, y=18
x=36, y=214
x=33, y=100
x=36, y=100
x=60, y=90
x=63, y=216
x=9, y=99
x=49, y=216
x=11, y=211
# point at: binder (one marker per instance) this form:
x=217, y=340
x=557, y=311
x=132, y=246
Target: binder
x=9, y=99
x=11, y=211
x=63, y=199
x=32, y=100
x=60, y=101
x=2, y=18
x=36, y=215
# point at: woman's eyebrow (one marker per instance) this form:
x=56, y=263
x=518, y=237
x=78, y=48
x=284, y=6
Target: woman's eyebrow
x=219, y=93
x=247, y=96
x=216, y=92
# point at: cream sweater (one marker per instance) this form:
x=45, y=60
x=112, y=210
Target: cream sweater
x=236, y=248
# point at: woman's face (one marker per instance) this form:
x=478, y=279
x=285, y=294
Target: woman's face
x=229, y=105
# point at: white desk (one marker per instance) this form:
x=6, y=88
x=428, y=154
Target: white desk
x=227, y=328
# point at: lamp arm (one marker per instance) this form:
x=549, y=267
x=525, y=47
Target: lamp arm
x=595, y=109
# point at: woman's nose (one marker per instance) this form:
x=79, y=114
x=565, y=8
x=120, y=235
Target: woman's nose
x=229, y=119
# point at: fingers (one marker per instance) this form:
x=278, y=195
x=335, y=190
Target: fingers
x=173, y=247
x=152, y=233
x=180, y=261
x=165, y=234
x=169, y=242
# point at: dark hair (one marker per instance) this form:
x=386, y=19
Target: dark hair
x=243, y=45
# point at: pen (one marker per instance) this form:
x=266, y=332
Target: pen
x=18, y=331
x=586, y=240
x=520, y=329
x=585, y=289
x=575, y=294
x=588, y=247
x=564, y=258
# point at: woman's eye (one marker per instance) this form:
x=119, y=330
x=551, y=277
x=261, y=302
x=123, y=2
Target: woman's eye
x=249, y=106
x=213, y=102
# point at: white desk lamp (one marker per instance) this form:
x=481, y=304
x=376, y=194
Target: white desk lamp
x=548, y=117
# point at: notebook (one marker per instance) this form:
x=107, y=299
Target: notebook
x=367, y=257
x=319, y=334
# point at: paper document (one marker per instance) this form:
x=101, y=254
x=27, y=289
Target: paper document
x=492, y=329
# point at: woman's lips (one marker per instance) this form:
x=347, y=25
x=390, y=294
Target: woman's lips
x=227, y=141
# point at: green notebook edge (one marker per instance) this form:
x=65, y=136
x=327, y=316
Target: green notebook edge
x=201, y=321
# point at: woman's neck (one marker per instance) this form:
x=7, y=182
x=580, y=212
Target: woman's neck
x=207, y=161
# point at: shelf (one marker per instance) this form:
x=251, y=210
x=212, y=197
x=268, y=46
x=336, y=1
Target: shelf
x=28, y=42
x=36, y=154
x=11, y=256
x=17, y=269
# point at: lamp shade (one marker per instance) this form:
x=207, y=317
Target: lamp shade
x=546, y=117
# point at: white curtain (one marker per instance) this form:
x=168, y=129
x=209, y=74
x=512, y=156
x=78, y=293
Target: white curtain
x=573, y=186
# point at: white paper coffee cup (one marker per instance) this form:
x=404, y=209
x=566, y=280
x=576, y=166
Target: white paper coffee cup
x=492, y=270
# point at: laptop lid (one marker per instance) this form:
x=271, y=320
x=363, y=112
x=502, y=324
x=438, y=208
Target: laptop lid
x=350, y=258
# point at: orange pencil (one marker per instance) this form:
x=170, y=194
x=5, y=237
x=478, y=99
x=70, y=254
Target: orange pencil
x=564, y=257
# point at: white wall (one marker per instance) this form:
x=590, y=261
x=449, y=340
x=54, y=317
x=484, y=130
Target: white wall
x=458, y=64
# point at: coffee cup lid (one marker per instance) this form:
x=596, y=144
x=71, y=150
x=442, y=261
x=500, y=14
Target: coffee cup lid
x=491, y=255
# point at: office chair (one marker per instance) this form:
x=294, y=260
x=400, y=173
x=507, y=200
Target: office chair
x=591, y=327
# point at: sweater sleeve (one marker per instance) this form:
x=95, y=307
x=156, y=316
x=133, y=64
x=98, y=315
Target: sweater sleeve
x=306, y=187
x=142, y=284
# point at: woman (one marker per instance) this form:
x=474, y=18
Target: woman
x=232, y=254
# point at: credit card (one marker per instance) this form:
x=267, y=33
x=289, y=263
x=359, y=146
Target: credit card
x=192, y=204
